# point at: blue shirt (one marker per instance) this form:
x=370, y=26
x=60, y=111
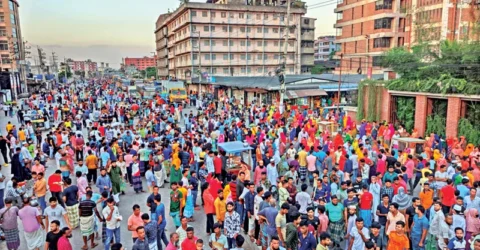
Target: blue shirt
x=419, y=224
x=160, y=210
x=105, y=157
x=464, y=191
x=270, y=213
x=308, y=242
x=104, y=181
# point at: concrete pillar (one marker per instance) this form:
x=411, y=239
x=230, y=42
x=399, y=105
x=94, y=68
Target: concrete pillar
x=453, y=116
x=421, y=114
x=385, y=105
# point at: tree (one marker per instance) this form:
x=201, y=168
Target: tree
x=318, y=69
x=64, y=67
x=151, y=71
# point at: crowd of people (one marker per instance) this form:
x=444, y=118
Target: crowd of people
x=305, y=187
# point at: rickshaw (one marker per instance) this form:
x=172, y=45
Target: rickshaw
x=236, y=152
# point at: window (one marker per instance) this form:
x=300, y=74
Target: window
x=206, y=43
x=204, y=14
x=325, y=50
x=265, y=16
x=213, y=43
x=259, y=17
x=230, y=29
x=214, y=70
x=11, y=5
x=242, y=57
x=225, y=43
x=3, y=45
x=292, y=30
x=232, y=56
x=2, y=18
x=275, y=16
x=207, y=57
x=212, y=28
x=249, y=43
x=241, y=15
x=259, y=30
x=259, y=56
x=275, y=30
x=383, y=23
x=195, y=57
x=265, y=57
x=244, y=70
x=242, y=29
x=225, y=57
x=214, y=56
x=212, y=15
x=223, y=14
x=259, y=43
x=275, y=43
x=276, y=56
x=265, y=30
x=231, y=43
x=3, y=31
x=377, y=61
x=6, y=59
x=249, y=29
x=265, y=43
x=242, y=43
x=225, y=71
x=224, y=28
x=194, y=13
x=383, y=42
x=259, y=70
x=383, y=5
x=249, y=70
x=291, y=57
x=290, y=43
x=206, y=28
x=249, y=16
x=194, y=28
x=339, y=15
x=249, y=57
x=12, y=18
x=339, y=31
x=231, y=15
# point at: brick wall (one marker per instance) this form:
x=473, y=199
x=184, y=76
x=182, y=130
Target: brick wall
x=421, y=104
x=453, y=116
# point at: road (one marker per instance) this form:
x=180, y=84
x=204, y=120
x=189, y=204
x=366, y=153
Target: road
x=126, y=202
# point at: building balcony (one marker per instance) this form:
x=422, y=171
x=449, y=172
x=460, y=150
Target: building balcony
x=307, y=51
x=308, y=36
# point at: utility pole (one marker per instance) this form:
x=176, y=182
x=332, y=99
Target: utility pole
x=199, y=64
x=41, y=57
x=339, y=83
x=281, y=71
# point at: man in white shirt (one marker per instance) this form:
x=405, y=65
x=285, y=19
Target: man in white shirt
x=112, y=217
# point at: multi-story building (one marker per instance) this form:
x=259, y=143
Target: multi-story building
x=231, y=38
x=141, y=63
x=12, y=49
x=324, y=46
x=87, y=65
x=366, y=29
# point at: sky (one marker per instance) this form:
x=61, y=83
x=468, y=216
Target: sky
x=109, y=30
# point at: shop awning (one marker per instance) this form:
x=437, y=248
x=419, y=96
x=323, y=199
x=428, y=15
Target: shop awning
x=292, y=94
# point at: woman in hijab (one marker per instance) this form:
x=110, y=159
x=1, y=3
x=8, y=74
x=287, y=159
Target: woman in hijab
x=473, y=225
x=403, y=200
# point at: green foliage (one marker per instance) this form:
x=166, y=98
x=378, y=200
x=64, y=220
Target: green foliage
x=151, y=71
x=436, y=124
x=318, y=69
x=61, y=75
x=374, y=100
x=470, y=131
x=405, y=111
x=361, y=98
x=450, y=68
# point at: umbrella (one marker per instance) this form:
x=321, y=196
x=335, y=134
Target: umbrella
x=135, y=107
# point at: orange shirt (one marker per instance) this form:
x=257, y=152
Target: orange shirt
x=40, y=187
x=397, y=242
x=426, y=198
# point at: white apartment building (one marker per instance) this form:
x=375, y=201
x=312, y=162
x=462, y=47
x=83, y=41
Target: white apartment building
x=232, y=40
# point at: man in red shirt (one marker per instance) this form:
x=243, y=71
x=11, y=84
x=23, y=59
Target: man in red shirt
x=63, y=243
x=447, y=196
x=397, y=184
x=366, y=200
x=190, y=241
x=55, y=184
x=217, y=164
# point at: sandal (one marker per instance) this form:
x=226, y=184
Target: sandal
x=94, y=245
x=85, y=248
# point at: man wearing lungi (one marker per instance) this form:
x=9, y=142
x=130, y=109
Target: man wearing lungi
x=87, y=219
